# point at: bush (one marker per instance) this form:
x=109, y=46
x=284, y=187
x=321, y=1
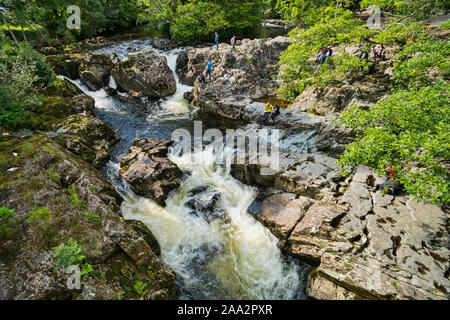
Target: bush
x=6, y=214
x=67, y=255
x=400, y=34
x=38, y=214
x=422, y=64
x=93, y=218
x=24, y=74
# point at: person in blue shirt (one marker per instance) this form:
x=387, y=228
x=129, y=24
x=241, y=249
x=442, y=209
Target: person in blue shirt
x=209, y=69
x=217, y=40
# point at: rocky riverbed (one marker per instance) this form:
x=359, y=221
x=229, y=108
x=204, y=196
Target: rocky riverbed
x=355, y=243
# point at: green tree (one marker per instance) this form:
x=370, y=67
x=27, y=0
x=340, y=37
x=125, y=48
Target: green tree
x=409, y=131
x=333, y=27
x=197, y=21
x=422, y=64
x=415, y=10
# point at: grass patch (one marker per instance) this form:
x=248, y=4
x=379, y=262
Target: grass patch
x=38, y=214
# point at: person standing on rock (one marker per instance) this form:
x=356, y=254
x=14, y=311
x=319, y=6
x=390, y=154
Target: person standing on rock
x=233, y=43
x=209, y=70
x=217, y=40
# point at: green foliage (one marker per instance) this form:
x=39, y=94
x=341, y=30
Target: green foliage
x=422, y=64
x=410, y=132
x=414, y=10
x=38, y=214
x=67, y=254
x=400, y=34
x=73, y=195
x=28, y=148
x=197, y=21
x=87, y=269
x=297, y=71
x=118, y=295
x=54, y=176
x=24, y=73
x=445, y=25
x=93, y=218
x=6, y=214
x=97, y=16
x=139, y=288
x=301, y=12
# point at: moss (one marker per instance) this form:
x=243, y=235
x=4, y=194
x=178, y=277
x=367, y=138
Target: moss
x=314, y=273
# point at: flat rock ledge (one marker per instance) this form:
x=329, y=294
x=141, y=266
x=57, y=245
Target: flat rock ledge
x=361, y=244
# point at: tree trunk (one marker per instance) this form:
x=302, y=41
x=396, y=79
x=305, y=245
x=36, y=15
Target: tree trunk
x=42, y=35
x=23, y=33
x=10, y=31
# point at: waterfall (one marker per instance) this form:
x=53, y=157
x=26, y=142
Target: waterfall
x=231, y=258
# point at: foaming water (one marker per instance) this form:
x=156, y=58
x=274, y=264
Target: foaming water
x=233, y=257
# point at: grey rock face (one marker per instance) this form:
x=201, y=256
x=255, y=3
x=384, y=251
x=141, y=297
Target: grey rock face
x=146, y=73
x=238, y=77
x=148, y=170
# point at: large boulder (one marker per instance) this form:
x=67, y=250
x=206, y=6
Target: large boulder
x=146, y=73
x=95, y=70
x=279, y=212
x=237, y=77
x=148, y=170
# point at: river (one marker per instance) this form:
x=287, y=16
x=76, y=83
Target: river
x=234, y=260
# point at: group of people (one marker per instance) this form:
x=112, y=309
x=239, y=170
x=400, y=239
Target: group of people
x=208, y=68
x=324, y=54
x=232, y=41
x=378, y=52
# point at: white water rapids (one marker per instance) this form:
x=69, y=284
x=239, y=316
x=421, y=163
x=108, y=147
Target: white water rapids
x=233, y=259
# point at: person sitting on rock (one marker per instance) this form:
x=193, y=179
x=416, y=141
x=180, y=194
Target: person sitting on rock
x=379, y=52
x=275, y=112
x=208, y=70
x=327, y=55
x=390, y=186
x=267, y=111
x=320, y=55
